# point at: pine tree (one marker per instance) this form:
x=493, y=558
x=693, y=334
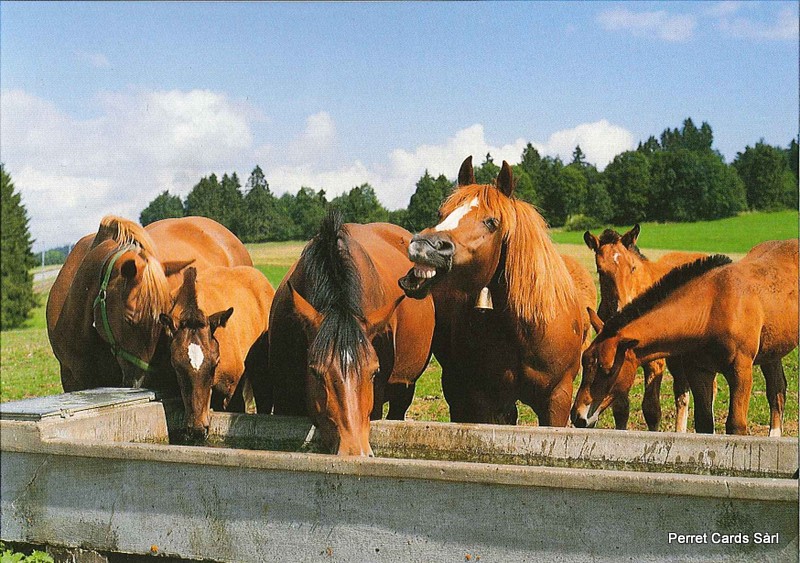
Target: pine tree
x=164, y=206
x=16, y=257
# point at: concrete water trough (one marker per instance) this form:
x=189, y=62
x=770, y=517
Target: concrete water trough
x=95, y=470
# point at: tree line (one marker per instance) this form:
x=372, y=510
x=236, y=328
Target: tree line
x=676, y=177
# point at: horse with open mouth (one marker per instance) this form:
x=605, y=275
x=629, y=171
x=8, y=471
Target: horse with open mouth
x=103, y=309
x=343, y=339
x=528, y=346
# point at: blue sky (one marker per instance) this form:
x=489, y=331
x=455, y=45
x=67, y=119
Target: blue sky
x=105, y=105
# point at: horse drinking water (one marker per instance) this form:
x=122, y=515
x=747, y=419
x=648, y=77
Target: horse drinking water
x=103, y=309
x=218, y=329
x=343, y=340
x=724, y=317
x=624, y=273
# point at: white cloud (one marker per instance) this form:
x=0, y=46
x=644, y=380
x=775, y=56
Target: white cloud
x=784, y=26
x=662, y=24
x=600, y=142
x=97, y=60
x=316, y=141
x=73, y=171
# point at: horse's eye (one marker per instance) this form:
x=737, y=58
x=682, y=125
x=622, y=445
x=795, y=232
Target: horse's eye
x=633, y=268
x=491, y=224
x=315, y=373
x=375, y=374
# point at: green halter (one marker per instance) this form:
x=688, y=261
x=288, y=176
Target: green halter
x=101, y=300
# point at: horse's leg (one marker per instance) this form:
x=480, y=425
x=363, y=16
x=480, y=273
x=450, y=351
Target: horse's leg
x=701, y=383
x=740, y=381
x=257, y=372
x=651, y=403
x=776, y=394
x=553, y=408
x=400, y=397
x=680, y=388
x=621, y=407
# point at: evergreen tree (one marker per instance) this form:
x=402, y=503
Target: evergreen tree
x=307, y=211
x=627, y=180
x=792, y=156
x=578, y=158
x=524, y=189
x=361, y=205
x=487, y=172
x=16, y=257
x=164, y=206
x=424, y=206
x=769, y=182
x=598, y=204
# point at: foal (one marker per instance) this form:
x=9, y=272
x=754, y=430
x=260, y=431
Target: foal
x=624, y=273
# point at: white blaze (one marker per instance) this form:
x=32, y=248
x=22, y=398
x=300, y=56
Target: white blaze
x=451, y=221
x=196, y=356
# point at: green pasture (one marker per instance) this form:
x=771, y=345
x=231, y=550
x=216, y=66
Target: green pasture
x=28, y=368
x=733, y=235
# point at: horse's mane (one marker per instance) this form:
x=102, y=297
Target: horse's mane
x=663, y=288
x=610, y=236
x=539, y=284
x=187, y=296
x=334, y=290
x=154, y=297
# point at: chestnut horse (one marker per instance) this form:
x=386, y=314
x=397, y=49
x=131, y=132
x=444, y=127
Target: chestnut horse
x=724, y=317
x=103, y=309
x=528, y=347
x=343, y=340
x=625, y=273
x=218, y=329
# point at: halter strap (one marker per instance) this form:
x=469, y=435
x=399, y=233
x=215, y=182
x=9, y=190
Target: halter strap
x=101, y=300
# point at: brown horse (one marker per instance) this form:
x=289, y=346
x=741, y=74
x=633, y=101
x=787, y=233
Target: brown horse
x=218, y=329
x=343, y=340
x=724, y=317
x=103, y=309
x=625, y=273
x=528, y=347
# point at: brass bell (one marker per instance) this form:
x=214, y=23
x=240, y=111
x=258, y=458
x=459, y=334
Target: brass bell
x=484, y=302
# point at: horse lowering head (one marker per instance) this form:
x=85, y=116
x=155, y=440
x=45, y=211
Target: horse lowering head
x=466, y=244
x=133, y=292
x=341, y=371
x=619, y=264
x=194, y=353
x=609, y=369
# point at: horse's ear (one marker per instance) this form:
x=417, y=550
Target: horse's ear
x=168, y=324
x=505, y=180
x=591, y=241
x=130, y=268
x=629, y=238
x=378, y=320
x=311, y=319
x=219, y=319
x=597, y=323
x=173, y=267
x=466, y=176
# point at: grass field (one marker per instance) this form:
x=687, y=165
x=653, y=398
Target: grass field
x=29, y=368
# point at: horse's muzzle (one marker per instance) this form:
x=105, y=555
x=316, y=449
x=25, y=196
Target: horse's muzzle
x=434, y=250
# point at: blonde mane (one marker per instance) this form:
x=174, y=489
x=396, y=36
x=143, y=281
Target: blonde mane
x=539, y=284
x=154, y=296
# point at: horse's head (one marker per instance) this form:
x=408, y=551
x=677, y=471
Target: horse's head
x=133, y=291
x=609, y=369
x=619, y=267
x=194, y=353
x=466, y=245
x=341, y=369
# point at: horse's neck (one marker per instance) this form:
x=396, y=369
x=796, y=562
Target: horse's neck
x=667, y=330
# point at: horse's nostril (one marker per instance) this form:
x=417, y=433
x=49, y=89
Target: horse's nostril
x=579, y=422
x=444, y=246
